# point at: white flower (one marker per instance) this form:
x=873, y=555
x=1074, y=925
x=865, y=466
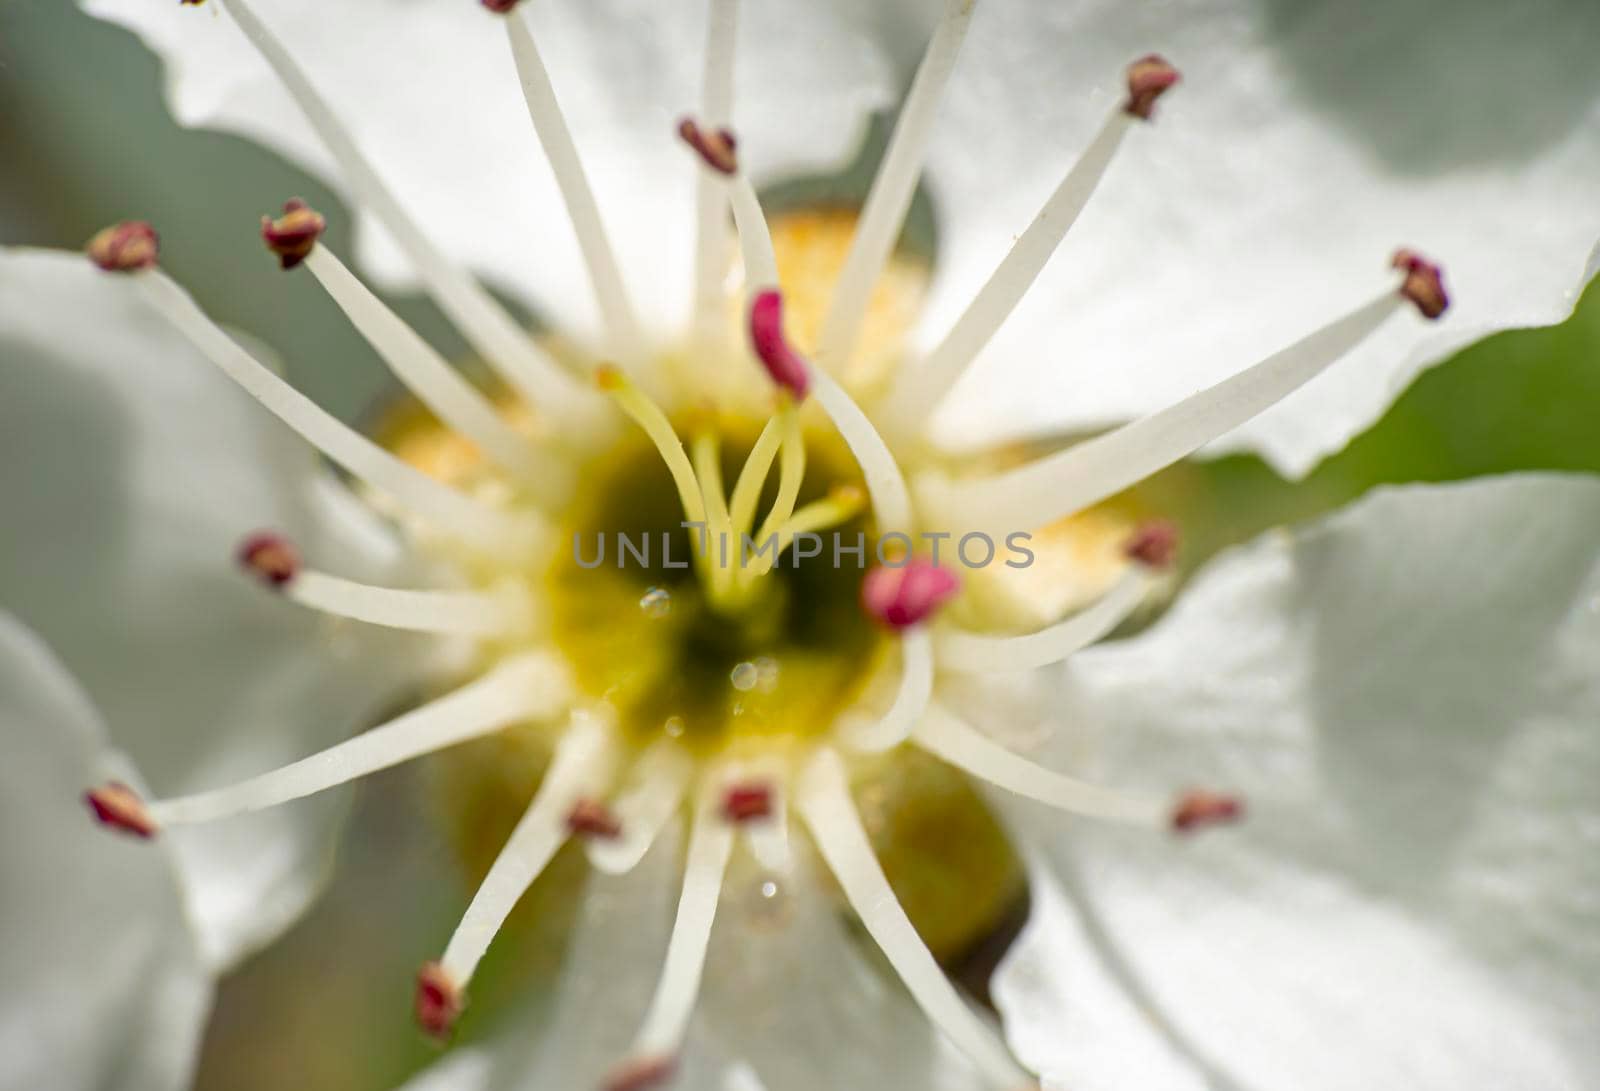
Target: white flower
x=743, y=695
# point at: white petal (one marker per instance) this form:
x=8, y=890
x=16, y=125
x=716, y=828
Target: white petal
x=136, y=470
x=431, y=94
x=1406, y=695
x=794, y=993
x=105, y=987
x=1304, y=144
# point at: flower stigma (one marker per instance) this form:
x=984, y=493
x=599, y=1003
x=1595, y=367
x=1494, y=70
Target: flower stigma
x=697, y=573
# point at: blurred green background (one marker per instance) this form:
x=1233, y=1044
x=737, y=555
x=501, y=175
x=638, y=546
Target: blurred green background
x=86, y=141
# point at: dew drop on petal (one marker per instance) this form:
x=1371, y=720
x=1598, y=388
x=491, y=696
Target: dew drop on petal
x=745, y=677
x=656, y=603
x=674, y=727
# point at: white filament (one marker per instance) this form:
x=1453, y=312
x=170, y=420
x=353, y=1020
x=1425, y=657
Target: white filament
x=580, y=767
x=919, y=389
x=483, y=527
x=891, y=501
x=825, y=804
x=910, y=699
x=484, y=323
x=1058, y=485
x=711, y=192
x=462, y=613
x=755, y=237
x=424, y=372
x=950, y=739
x=890, y=196
x=959, y=650
x=651, y=797
x=556, y=138
x=710, y=845
x=767, y=838
x=530, y=686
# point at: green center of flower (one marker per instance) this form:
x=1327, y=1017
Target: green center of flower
x=687, y=632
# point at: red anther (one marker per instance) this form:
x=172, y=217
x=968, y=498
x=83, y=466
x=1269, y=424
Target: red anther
x=439, y=1001
x=126, y=247
x=902, y=597
x=293, y=235
x=116, y=805
x=591, y=818
x=1148, y=79
x=501, y=7
x=1154, y=544
x=1199, y=808
x=271, y=557
x=715, y=146
x=1423, y=284
x=747, y=802
x=641, y=1074
x=783, y=364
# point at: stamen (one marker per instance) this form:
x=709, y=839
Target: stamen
x=1048, y=489
x=425, y=373
x=591, y=818
x=825, y=804
x=459, y=613
x=890, y=499
x=919, y=390
x=784, y=366
x=899, y=597
x=439, y=1001
x=1200, y=808
x=890, y=196
x=761, y=812
x=485, y=324
x=126, y=247
x=1148, y=79
x=555, y=137
x=910, y=700
x=953, y=741
x=489, y=530
x=710, y=844
x=270, y=557
x=582, y=763
x=527, y=687
x=650, y=417
x=711, y=194
x=656, y=787
x=747, y=802
x=118, y=806
x=960, y=650
x=753, y=477
x=716, y=147
x=292, y=235
x=1154, y=545
x=1423, y=284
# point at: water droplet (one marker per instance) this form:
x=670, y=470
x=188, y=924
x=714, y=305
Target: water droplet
x=744, y=677
x=674, y=727
x=766, y=673
x=656, y=603
x=767, y=904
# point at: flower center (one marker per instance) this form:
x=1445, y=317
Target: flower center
x=710, y=635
